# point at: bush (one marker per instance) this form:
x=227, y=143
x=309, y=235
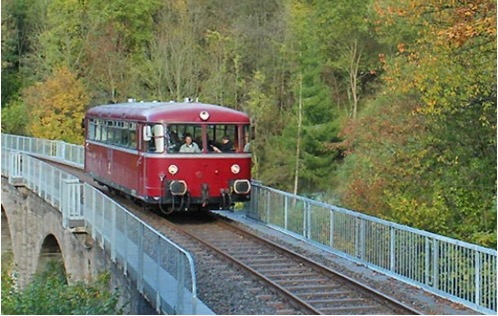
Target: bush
x=49, y=294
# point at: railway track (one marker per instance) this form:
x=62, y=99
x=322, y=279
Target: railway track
x=304, y=286
x=308, y=285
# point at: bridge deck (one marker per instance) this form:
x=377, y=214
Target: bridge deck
x=421, y=300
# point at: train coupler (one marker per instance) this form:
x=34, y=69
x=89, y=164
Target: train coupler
x=226, y=199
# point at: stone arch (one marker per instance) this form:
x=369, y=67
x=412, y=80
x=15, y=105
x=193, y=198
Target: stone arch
x=7, y=250
x=50, y=253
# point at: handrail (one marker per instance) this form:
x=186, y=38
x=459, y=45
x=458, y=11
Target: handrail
x=173, y=286
x=438, y=264
x=454, y=269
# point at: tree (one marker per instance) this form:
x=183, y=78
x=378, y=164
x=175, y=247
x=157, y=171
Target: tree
x=117, y=48
x=14, y=118
x=49, y=294
x=425, y=153
x=56, y=107
x=20, y=20
x=316, y=117
x=345, y=36
x=174, y=67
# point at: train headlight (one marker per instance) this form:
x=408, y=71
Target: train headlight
x=172, y=169
x=235, y=168
x=204, y=115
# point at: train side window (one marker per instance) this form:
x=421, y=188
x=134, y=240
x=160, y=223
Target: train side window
x=246, y=139
x=117, y=134
x=125, y=134
x=132, y=129
x=91, y=129
x=173, y=140
x=98, y=128
x=176, y=133
x=104, y=132
x=110, y=132
x=217, y=132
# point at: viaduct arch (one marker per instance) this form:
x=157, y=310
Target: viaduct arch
x=37, y=235
x=32, y=230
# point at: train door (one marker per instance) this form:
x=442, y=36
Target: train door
x=141, y=161
x=109, y=162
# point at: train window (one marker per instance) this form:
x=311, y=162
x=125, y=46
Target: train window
x=110, y=132
x=246, y=141
x=176, y=136
x=118, y=138
x=97, y=130
x=91, y=129
x=223, y=138
x=103, y=130
x=132, y=129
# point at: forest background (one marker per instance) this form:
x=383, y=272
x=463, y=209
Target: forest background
x=387, y=107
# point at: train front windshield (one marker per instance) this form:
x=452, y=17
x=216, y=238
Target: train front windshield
x=211, y=139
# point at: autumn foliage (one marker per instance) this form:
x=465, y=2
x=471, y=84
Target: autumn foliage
x=387, y=107
x=424, y=153
x=57, y=106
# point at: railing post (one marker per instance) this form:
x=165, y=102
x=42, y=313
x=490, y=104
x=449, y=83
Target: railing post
x=286, y=211
x=477, y=259
x=16, y=175
x=268, y=206
x=435, y=268
x=102, y=224
x=362, y=238
x=61, y=150
x=113, y=235
x=140, y=269
x=427, y=280
x=356, y=237
x=392, y=256
x=331, y=232
x=125, y=255
x=94, y=216
x=158, y=267
x=255, y=194
x=70, y=203
x=40, y=178
x=307, y=220
x=180, y=288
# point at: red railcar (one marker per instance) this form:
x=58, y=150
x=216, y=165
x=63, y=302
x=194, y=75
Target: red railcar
x=137, y=148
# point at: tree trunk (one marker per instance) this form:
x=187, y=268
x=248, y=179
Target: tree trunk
x=355, y=57
x=299, y=126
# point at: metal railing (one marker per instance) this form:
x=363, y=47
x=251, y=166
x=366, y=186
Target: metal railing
x=457, y=270
x=453, y=269
x=163, y=271
x=55, y=149
x=41, y=178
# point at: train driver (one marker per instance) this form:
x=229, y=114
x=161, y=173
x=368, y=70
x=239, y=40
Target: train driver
x=226, y=145
x=247, y=146
x=189, y=146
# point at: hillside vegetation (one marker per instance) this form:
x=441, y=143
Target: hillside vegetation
x=387, y=107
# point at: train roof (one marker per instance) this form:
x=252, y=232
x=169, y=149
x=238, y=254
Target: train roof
x=168, y=112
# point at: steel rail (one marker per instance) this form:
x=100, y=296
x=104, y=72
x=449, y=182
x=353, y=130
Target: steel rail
x=326, y=270
x=299, y=303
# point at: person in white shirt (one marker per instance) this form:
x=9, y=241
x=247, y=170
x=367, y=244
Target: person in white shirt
x=189, y=146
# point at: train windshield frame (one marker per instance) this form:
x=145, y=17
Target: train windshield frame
x=208, y=137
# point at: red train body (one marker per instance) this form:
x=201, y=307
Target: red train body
x=137, y=148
